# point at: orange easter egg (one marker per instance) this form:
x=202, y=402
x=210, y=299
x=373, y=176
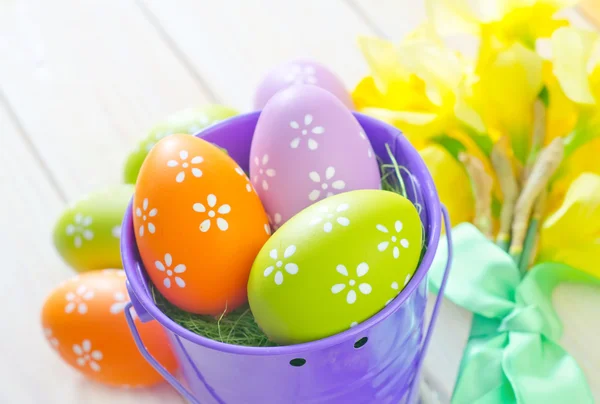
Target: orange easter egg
x=198, y=223
x=83, y=320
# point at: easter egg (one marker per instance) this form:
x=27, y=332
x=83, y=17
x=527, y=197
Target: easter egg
x=83, y=321
x=189, y=121
x=87, y=234
x=300, y=71
x=335, y=264
x=307, y=146
x=198, y=224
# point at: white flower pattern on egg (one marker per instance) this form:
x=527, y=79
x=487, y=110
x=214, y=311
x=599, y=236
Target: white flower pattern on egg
x=325, y=185
x=370, y=149
x=301, y=75
x=242, y=173
x=119, y=304
x=275, y=220
x=80, y=229
x=51, y=338
x=78, y=300
x=395, y=239
x=289, y=267
x=361, y=270
x=174, y=273
x=88, y=356
x=116, y=231
x=211, y=201
x=146, y=216
x=183, y=156
x=118, y=272
x=306, y=131
x=263, y=171
x=396, y=288
x=329, y=218
x=267, y=229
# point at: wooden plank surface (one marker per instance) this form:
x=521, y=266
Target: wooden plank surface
x=83, y=81
x=31, y=372
x=234, y=50
x=88, y=79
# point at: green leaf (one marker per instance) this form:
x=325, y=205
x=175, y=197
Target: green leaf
x=453, y=146
x=583, y=133
x=482, y=140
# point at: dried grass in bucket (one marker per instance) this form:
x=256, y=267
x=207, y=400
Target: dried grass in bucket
x=239, y=327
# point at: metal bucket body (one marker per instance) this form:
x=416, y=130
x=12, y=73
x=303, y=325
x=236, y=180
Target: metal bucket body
x=335, y=371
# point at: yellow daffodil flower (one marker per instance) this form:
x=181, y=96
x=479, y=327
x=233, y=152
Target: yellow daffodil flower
x=506, y=91
x=574, y=91
x=415, y=86
x=498, y=23
x=423, y=88
x=451, y=182
x=571, y=235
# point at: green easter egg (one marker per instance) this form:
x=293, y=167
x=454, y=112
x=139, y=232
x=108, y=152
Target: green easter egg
x=189, y=121
x=334, y=264
x=87, y=235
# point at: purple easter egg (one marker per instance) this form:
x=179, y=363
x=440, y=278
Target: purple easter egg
x=300, y=71
x=307, y=146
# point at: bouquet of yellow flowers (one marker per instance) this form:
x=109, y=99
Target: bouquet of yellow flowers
x=510, y=135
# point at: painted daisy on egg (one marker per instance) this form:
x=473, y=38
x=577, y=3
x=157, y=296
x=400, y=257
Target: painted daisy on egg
x=281, y=264
x=351, y=284
x=80, y=229
x=395, y=240
x=307, y=130
x=184, y=164
x=211, y=201
x=326, y=185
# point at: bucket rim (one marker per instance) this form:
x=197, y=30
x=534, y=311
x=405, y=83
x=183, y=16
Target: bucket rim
x=138, y=285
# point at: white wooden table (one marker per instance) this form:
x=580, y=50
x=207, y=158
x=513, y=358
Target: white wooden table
x=82, y=81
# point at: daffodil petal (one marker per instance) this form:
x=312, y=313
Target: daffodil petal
x=571, y=235
x=452, y=17
x=583, y=160
x=452, y=183
x=561, y=112
x=506, y=91
x=572, y=49
x=382, y=59
x=423, y=53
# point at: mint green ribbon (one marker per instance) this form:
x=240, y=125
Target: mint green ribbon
x=512, y=355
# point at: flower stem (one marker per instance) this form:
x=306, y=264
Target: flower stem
x=544, y=168
x=532, y=232
x=481, y=184
x=510, y=190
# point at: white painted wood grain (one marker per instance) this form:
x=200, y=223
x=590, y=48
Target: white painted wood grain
x=88, y=79
x=233, y=44
x=31, y=372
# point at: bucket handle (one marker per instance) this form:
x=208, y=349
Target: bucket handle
x=172, y=380
x=436, y=306
x=155, y=364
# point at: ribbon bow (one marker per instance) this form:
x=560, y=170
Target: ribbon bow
x=513, y=356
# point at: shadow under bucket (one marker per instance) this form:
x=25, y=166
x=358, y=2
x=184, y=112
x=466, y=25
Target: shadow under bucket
x=377, y=361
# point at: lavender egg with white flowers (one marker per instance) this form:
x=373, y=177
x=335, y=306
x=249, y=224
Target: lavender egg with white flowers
x=300, y=71
x=308, y=146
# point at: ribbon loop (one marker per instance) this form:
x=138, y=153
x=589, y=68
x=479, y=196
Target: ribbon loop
x=524, y=319
x=512, y=355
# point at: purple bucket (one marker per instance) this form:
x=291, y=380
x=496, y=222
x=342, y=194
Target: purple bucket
x=337, y=369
